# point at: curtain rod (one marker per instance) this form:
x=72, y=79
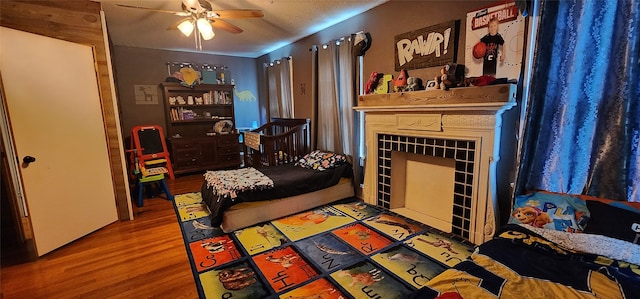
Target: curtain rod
x=197, y=65
x=275, y=61
x=203, y=66
x=337, y=41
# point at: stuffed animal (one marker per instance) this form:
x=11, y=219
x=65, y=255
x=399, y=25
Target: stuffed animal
x=413, y=84
x=442, y=79
x=372, y=84
x=384, y=84
x=446, y=79
x=451, y=75
x=223, y=126
x=401, y=82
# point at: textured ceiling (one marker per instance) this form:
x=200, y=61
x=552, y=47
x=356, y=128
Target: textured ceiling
x=284, y=22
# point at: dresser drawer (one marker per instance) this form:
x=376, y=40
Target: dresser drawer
x=231, y=149
x=227, y=140
x=184, y=163
x=184, y=144
x=186, y=154
x=229, y=158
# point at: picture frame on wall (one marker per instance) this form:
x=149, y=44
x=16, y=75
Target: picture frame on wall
x=494, y=42
x=145, y=94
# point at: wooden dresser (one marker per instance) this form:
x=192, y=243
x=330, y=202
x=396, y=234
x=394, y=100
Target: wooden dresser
x=192, y=114
x=192, y=154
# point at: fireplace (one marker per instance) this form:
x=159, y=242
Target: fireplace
x=442, y=157
x=443, y=167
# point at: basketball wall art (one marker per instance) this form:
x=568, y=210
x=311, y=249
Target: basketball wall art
x=494, y=42
x=435, y=45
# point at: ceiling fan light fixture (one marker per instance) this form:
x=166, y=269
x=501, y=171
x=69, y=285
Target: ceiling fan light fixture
x=186, y=27
x=205, y=29
x=199, y=16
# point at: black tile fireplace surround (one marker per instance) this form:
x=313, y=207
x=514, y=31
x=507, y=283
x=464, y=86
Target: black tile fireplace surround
x=463, y=151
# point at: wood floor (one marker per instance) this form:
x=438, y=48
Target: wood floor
x=143, y=258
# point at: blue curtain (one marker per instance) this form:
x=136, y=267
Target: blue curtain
x=582, y=127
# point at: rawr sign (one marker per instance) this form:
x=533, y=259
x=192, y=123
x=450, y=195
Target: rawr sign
x=430, y=46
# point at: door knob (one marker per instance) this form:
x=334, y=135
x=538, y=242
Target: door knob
x=28, y=159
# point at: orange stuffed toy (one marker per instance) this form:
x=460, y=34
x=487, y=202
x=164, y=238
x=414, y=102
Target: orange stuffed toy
x=401, y=82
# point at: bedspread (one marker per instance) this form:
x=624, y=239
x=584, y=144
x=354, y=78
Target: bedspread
x=519, y=263
x=227, y=183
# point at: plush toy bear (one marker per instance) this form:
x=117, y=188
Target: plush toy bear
x=451, y=75
x=442, y=79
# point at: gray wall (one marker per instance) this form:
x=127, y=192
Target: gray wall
x=384, y=23
x=138, y=66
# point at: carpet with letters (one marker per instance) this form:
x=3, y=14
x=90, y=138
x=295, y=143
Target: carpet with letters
x=348, y=249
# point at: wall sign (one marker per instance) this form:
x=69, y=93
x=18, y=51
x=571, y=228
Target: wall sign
x=431, y=46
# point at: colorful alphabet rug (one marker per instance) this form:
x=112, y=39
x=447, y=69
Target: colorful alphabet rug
x=347, y=249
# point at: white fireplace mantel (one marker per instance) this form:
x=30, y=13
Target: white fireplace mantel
x=480, y=115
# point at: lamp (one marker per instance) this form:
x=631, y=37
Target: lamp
x=205, y=28
x=186, y=27
x=201, y=25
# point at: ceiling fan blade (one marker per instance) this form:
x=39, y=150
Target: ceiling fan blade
x=238, y=13
x=220, y=24
x=177, y=13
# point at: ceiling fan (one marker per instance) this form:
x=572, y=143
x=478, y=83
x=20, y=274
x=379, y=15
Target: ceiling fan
x=201, y=18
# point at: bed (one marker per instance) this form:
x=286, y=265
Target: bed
x=276, y=191
x=580, y=247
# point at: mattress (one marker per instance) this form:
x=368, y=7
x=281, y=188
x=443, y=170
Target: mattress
x=253, y=212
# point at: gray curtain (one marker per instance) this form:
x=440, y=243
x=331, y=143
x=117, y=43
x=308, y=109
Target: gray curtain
x=347, y=92
x=336, y=95
x=279, y=88
x=329, y=135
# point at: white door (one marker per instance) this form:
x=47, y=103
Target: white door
x=53, y=102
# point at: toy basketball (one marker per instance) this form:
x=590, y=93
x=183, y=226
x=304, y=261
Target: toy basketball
x=479, y=50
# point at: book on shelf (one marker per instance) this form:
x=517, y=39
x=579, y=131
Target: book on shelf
x=207, y=98
x=174, y=114
x=187, y=114
x=182, y=114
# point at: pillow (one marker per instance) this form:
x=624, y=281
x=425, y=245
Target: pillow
x=614, y=222
x=320, y=160
x=627, y=205
x=559, y=212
